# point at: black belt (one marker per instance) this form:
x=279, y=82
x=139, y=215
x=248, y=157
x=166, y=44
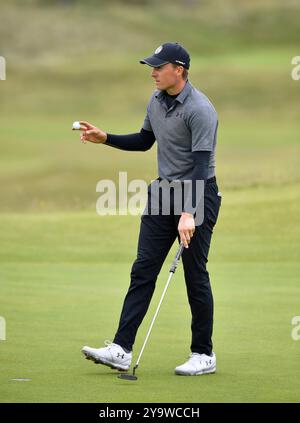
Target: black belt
x=208, y=181
x=211, y=180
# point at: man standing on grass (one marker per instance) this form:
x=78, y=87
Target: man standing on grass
x=184, y=123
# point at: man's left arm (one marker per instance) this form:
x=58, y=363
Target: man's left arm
x=186, y=225
x=199, y=173
x=203, y=123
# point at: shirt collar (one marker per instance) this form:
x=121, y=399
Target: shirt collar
x=181, y=96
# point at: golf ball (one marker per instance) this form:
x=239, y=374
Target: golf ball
x=76, y=125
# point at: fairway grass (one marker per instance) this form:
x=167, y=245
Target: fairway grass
x=63, y=280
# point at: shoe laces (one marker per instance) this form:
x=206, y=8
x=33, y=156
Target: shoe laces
x=197, y=357
x=108, y=343
x=193, y=355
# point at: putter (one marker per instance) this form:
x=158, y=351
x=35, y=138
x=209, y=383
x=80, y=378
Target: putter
x=172, y=271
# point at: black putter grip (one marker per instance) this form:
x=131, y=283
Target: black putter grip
x=177, y=258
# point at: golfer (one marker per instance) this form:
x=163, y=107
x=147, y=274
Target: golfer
x=183, y=122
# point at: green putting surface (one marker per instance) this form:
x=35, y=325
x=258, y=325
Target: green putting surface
x=64, y=279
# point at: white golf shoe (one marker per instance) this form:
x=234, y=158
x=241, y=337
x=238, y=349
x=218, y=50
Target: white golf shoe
x=112, y=356
x=197, y=364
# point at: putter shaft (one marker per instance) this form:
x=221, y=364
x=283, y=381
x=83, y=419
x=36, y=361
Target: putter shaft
x=172, y=271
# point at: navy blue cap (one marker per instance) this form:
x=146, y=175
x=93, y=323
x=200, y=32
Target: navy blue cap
x=168, y=53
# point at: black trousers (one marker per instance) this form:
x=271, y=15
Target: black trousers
x=156, y=237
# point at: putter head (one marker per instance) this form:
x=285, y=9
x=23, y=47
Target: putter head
x=127, y=377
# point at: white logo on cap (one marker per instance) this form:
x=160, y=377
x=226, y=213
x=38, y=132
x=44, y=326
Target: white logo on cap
x=158, y=50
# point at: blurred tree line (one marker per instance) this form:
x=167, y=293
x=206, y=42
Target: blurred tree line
x=98, y=3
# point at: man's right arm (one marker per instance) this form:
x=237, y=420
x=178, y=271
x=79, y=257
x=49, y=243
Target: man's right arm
x=140, y=141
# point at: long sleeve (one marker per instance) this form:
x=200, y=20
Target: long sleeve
x=200, y=172
x=140, y=141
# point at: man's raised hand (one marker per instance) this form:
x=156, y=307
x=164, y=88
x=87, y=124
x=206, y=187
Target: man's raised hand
x=91, y=133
